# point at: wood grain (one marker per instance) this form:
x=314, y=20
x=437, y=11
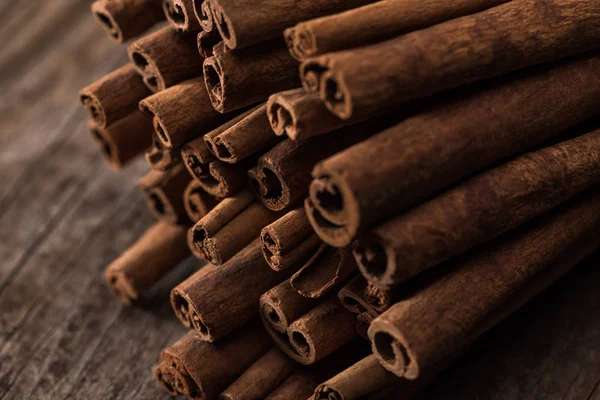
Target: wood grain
x=64, y=216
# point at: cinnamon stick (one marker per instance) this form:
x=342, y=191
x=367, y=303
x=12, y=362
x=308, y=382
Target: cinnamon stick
x=445, y=144
x=352, y=296
x=161, y=158
x=249, y=23
x=196, y=157
x=197, y=201
x=124, y=140
x=206, y=41
x=170, y=379
x=264, y=376
x=181, y=303
x=182, y=112
x=180, y=14
x=289, y=241
x=237, y=284
x=505, y=38
x=283, y=173
x=478, y=210
x=323, y=271
x=248, y=136
x=240, y=78
x=484, y=287
x=299, y=386
x=164, y=194
x=203, y=13
x=166, y=57
x=207, y=368
x=221, y=179
x=374, y=23
x=363, y=380
x=281, y=305
x=126, y=19
x=300, y=114
x=114, y=96
x=154, y=254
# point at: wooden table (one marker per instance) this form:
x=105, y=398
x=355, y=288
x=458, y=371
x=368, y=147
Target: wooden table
x=64, y=216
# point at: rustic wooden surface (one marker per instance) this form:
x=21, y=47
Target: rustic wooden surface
x=64, y=215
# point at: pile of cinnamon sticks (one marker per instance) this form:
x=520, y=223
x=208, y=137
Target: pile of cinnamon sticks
x=370, y=185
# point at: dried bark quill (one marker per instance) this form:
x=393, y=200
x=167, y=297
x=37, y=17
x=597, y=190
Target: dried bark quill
x=164, y=194
x=126, y=19
x=180, y=14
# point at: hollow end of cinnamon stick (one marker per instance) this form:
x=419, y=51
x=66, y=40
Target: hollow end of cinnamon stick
x=224, y=25
x=180, y=14
x=197, y=201
x=375, y=261
x=107, y=21
x=165, y=375
x=214, y=83
x=203, y=13
x=93, y=107
x=160, y=158
x=269, y=187
x=281, y=118
x=107, y=146
x=311, y=74
x=119, y=284
x=124, y=20
x=206, y=41
x=335, y=95
x=394, y=354
x=300, y=41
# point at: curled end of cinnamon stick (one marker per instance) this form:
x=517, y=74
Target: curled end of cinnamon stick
x=311, y=73
x=324, y=392
x=300, y=41
x=160, y=158
x=200, y=327
x=147, y=68
x=375, y=261
x=107, y=21
x=181, y=307
x=158, y=204
x=93, y=107
x=393, y=354
x=224, y=25
x=335, y=95
x=303, y=346
x=282, y=119
x=179, y=16
x=269, y=188
x=193, y=164
x=377, y=298
x=272, y=315
x=203, y=13
x=195, y=239
x=196, y=201
x=119, y=284
x=214, y=80
x=160, y=131
x=165, y=375
x=107, y=146
x=271, y=248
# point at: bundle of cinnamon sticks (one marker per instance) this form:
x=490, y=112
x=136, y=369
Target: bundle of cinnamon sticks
x=368, y=186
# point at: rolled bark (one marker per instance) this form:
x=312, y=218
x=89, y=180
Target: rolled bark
x=445, y=144
x=282, y=176
x=164, y=194
x=352, y=296
x=161, y=158
x=180, y=14
x=124, y=140
x=321, y=331
x=384, y=19
x=166, y=57
x=238, y=284
x=206, y=41
x=161, y=248
x=289, y=241
x=249, y=136
x=300, y=114
x=197, y=201
x=182, y=112
x=208, y=368
x=264, y=376
x=126, y=19
x=170, y=379
x=478, y=210
x=505, y=38
x=203, y=13
x=326, y=269
x=114, y=96
x=240, y=78
x=484, y=287
x=299, y=386
x=252, y=22
x=181, y=303
x=223, y=180
x=282, y=305
x=363, y=380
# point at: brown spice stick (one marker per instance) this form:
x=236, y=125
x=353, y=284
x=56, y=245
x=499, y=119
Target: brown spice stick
x=181, y=303
x=363, y=380
x=170, y=379
x=289, y=241
x=283, y=173
x=237, y=285
x=161, y=158
x=321, y=331
x=373, y=23
x=352, y=296
x=182, y=112
x=114, y=96
x=264, y=376
x=299, y=386
x=323, y=271
x=300, y=114
x=180, y=14
x=437, y=148
x=126, y=19
x=154, y=254
x=247, y=137
x=124, y=140
x=281, y=305
x=221, y=179
x=208, y=368
x=240, y=78
x=203, y=13
x=164, y=194
x=251, y=22
x=505, y=38
x=484, y=287
x=166, y=57
x=206, y=41
x=197, y=201
x=478, y=210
